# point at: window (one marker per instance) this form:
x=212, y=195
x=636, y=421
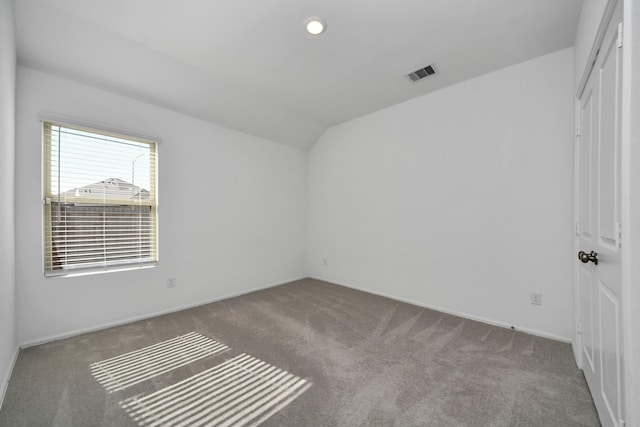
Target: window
x=99, y=202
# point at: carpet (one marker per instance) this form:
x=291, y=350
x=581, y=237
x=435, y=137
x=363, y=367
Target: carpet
x=307, y=353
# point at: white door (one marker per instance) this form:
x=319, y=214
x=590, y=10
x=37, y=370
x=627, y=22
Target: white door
x=600, y=273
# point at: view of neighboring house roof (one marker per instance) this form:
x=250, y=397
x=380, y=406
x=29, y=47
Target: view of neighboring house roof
x=111, y=188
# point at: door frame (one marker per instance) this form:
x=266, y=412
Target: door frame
x=630, y=181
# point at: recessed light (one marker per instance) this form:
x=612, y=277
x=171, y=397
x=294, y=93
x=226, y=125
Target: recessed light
x=315, y=25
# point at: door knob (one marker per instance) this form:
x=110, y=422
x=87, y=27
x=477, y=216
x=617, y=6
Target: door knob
x=586, y=257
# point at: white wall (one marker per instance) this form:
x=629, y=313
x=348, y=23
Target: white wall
x=8, y=344
x=460, y=199
x=232, y=213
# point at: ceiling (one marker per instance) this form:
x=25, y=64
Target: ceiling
x=249, y=65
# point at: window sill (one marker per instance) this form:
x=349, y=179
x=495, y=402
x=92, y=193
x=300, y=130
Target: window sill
x=102, y=270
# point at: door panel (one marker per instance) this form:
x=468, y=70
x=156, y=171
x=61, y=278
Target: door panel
x=610, y=375
x=599, y=225
x=586, y=180
x=609, y=74
x=588, y=321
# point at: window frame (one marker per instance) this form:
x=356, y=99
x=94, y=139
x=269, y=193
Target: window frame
x=46, y=219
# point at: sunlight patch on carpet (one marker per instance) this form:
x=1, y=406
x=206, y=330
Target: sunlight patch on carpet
x=120, y=372
x=243, y=391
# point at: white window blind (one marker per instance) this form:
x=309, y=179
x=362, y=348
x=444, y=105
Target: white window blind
x=99, y=202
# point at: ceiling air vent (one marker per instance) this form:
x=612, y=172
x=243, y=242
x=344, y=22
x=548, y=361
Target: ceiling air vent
x=420, y=74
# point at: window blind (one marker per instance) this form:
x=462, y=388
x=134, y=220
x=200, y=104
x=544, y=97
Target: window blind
x=100, y=200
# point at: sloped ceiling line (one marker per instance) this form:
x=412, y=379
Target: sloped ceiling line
x=250, y=65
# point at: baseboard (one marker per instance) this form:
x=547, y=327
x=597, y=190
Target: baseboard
x=453, y=312
x=108, y=325
x=5, y=380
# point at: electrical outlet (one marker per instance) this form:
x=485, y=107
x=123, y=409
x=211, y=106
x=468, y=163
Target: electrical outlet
x=536, y=298
x=171, y=283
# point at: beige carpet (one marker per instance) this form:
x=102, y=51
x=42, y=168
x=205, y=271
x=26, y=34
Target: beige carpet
x=306, y=353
